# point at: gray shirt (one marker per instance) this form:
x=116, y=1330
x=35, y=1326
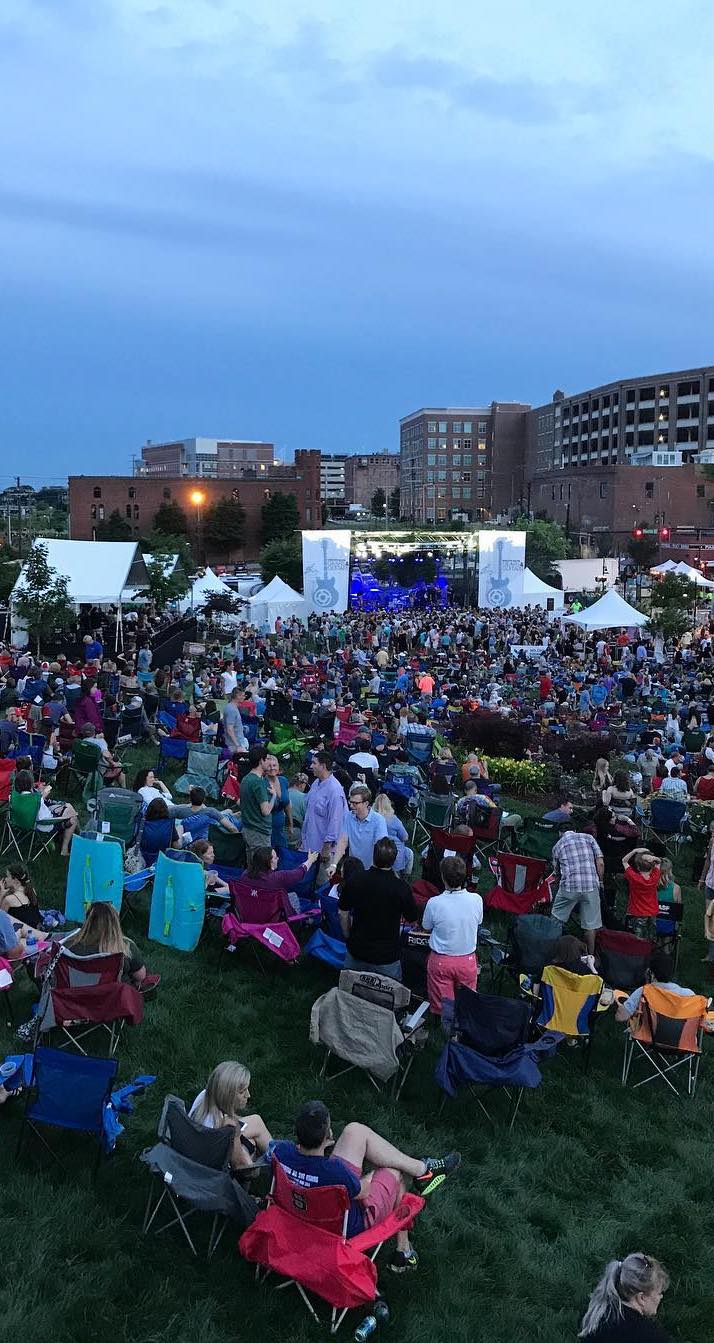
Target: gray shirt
x=233, y=723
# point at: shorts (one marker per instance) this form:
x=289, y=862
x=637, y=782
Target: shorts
x=381, y=1196
x=588, y=904
x=641, y=925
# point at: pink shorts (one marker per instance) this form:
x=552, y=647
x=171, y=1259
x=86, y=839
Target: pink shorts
x=381, y=1196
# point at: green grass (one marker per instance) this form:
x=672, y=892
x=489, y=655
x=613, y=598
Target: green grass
x=509, y=1250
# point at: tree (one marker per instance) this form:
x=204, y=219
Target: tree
x=224, y=526
x=171, y=520
x=42, y=601
x=160, y=543
x=280, y=517
x=217, y=604
x=114, y=528
x=546, y=542
x=674, y=600
x=394, y=502
x=378, y=501
x=283, y=558
x=165, y=584
x=9, y=571
x=643, y=549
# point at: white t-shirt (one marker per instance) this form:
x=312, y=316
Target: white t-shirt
x=209, y=1121
x=365, y=760
x=148, y=794
x=453, y=920
x=230, y=681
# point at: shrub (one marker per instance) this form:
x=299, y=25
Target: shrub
x=580, y=753
x=490, y=734
x=520, y=777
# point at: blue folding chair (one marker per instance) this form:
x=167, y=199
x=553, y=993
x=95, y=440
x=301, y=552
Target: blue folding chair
x=419, y=748
x=166, y=719
x=176, y=707
x=156, y=837
x=68, y=1091
x=172, y=748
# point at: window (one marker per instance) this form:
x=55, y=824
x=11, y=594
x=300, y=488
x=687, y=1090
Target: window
x=647, y=393
x=308, y=514
x=630, y=417
x=430, y=475
x=467, y=459
x=443, y=427
x=136, y=510
x=431, y=460
x=441, y=475
x=700, y=491
x=466, y=477
x=649, y=489
x=466, y=492
x=128, y=510
x=630, y=398
x=100, y=512
x=605, y=401
x=456, y=427
x=467, y=445
x=431, y=443
x=603, y=489
x=441, y=514
x=93, y=511
x=456, y=445
x=481, y=445
x=431, y=427
x=97, y=491
x=481, y=427
x=442, y=445
x=131, y=492
x=167, y=494
x=688, y=388
x=456, y=459
x=456, y=491
x=442, y=459
x=441, y=491
x=467, y=426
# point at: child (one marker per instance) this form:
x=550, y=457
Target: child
x=670, y=892
x=642, y=874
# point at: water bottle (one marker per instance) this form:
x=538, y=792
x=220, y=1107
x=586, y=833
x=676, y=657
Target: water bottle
x=371, y=1323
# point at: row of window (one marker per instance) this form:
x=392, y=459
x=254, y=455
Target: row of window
x=456, y=445
x=692, y=387
x=457, y=492
x=131, y=493
x=457, y=426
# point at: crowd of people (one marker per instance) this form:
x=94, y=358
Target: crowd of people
x=363, y=691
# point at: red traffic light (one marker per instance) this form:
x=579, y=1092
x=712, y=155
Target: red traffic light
x=664, y=533
x=637, y=533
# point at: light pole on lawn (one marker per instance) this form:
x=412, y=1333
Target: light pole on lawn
x=198, y=498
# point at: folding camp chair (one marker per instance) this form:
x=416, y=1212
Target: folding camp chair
x=666, y=820
x=489, y=1049
x=302, y=1236
x=666, y=1031
x=439, y=842
x=540, y=836
x=433, y=809
x=527, y=949
x=419, y=747
x=202, y=769
x=365, y=1022
x=120, y=809
x=191, y=1164
x=83, y=763
x=165, y=719
x=267, y=919
x=156, y=837
x=521, y=883
x=67, y=1092
x=29, y=837
x=667, y=927
x=228, y=846
x=569, y=1004
x=130, y=724
x=623, y=958
x=171, y=749
x=84, y=995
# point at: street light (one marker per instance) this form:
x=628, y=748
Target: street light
x=198, y=498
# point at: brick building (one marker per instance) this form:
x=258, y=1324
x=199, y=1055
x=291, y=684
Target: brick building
x=370, y=471
x=616, y=498
x=462, y=462
x=217, y=457
x=92, y=499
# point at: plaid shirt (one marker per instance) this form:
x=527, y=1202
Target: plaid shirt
x=575, y=856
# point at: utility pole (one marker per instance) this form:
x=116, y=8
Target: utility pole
x=19, y=519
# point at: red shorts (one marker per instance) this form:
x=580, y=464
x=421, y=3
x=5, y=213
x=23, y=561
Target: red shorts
x=381, y=1196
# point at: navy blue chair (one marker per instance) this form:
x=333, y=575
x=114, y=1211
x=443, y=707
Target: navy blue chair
x=156, y=838
x=67, y=1091
x=172, y=748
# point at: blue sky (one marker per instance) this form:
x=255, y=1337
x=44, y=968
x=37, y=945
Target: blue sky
x=301, y=220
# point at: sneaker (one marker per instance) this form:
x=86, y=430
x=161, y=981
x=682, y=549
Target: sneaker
x=403, y=1261
x=437, y=1170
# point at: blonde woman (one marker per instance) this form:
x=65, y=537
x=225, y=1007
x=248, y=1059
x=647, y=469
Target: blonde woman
x=224, y=1097
x=602, y=778
x=623, y=1306
x=396, y=831
x=102, y=932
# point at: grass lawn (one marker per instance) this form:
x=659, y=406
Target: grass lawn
x=509, y=1251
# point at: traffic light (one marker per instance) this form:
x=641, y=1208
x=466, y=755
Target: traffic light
x=664, y=533
x=637, y=533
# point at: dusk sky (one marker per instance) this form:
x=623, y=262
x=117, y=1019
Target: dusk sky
x=301, y=220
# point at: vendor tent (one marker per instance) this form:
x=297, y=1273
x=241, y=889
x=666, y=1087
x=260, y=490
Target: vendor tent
x=665, y=567
x=277, y=599
x=694, y=575
x=536, y=592
x=610, y=612
x=169, y=563
x=97, y=572
x=203, y=586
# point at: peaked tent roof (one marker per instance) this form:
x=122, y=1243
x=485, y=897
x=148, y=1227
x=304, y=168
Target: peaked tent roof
x=694, y=575
x=96, y=571
x=277, y=591
x=201, y=587
x=277, y=598
x=610, y=612
x=664, y=568
x=169, y=565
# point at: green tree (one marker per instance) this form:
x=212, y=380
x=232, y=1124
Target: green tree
x=170, y=519
x=224, y=526
x=114, y=528
x=9, y=570
x=546, y=542
x=280, y=517
x=673, y=603
x=166, y=583
x=218, y=604
x=160, y=543
x=378, y=502
x=394, y=502
x=42, y=601
x=643, y=549
x=284, y=558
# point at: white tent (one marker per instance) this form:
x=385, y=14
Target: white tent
x=665, y=567
x=694, y=575
x=536, y=592
x=276, y=599
x=201, y=587
x=96, y=571
x=169, y=565
x=610, y=612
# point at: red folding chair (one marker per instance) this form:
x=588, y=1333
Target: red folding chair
x=301, y=1236
x=521, y=883
x=442, y=840
x=86, y=994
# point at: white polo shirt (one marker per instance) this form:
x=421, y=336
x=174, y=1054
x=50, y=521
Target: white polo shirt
x=453, y=919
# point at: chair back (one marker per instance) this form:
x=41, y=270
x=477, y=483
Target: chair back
x=209, y=1147
x=71, y=1090
x=326, y=1206
x=463, y=845
x=178, y=901
x=623, y=958
x=517, y=873
x=671, y=1021
x=96, y=873
x=568, y=1000
x=419, y=747
x=255, y=903
x=204, y=760
x=85, y=756
x=534, y=937
x=667, y=814
x=24, y=808
x=172, y=748
x=434, y=808
x=375, y=988
x=540, y=836
x=121, y=809
x=166, y=719
x=72, y=971
x=489, y=1024
x=156, y=837
x=228, y=846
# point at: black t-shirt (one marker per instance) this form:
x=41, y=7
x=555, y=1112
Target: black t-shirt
x=378, y=901
x=631, y=1327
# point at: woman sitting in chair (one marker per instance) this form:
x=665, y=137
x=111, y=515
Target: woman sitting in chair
x=18, y=897
x=204, y=851
x=49, y=814
x=262, y=877
x=101, y=932
x=222, y=1103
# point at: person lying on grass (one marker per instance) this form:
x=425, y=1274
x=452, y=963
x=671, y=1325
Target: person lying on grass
x=316, y=1159
x=222, y=1102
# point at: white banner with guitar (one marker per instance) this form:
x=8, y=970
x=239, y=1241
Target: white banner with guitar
x=501, y=562
x=326, y=570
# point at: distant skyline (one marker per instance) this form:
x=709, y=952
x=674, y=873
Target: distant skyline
x=301, y=223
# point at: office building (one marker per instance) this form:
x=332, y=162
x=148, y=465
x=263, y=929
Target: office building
x=219, y=458
x=462, y=462
x=367, y=472
x=332, y=480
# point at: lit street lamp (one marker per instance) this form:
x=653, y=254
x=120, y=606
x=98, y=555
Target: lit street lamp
x=197, y=499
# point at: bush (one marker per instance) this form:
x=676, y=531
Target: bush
x=580, y=753
x=520, y=777
x=490, y=734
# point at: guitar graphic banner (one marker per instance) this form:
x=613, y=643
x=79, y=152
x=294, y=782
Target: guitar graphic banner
x=326, y=570
x=501, y=562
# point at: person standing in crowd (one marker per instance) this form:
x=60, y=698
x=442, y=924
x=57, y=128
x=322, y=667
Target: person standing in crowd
x=580, y=870
x=258, y=797
x=452, y=920
x=363, y=827
x=325, y=809
x=371, y=908
x=233, y=732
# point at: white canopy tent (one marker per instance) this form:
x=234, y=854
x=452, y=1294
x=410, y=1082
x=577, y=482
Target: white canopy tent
x=169, y=564
x=276, y=599
x=694, y=575
x=201, y=587
x=665, y=567
x=610, y=612
x=97, y=574
x=536, y=592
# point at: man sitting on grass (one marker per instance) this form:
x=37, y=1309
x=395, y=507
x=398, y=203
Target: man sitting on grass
x=373, y=1196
